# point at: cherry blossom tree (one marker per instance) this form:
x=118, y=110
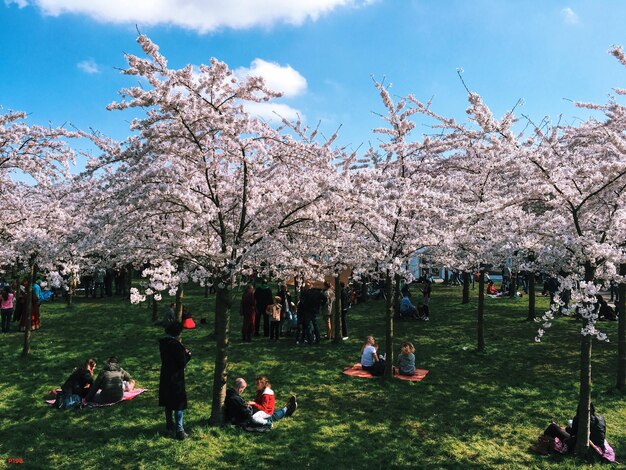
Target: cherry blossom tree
x=220, y=184
x=32, y=160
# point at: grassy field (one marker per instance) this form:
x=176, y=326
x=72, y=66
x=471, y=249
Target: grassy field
x=472, y=410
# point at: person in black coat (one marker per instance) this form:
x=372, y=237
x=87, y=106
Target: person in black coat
x=172, y=393
x=263, y=297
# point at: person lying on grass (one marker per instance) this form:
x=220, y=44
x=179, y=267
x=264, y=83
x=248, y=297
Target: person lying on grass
x=112, y=382
x=240, y=413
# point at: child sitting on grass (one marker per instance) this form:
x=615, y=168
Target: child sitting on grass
x=406, y=360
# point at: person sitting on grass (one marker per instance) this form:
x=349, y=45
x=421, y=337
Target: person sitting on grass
x=242, y=414
x=370, y=360
x=406, y=359
x=76, y=386
x=112, y=382
x=563, y=441
x=407, y=309
x=491, y=289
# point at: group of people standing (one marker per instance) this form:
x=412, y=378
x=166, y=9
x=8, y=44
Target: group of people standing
x=282, y=316
x=13, y=303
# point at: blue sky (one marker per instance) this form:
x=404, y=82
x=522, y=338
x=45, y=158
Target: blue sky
x=59, y=57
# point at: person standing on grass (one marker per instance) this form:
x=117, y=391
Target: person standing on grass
x=345, y=305
x=6, y=307
x=248, y=312
x=172, y=392
x=426, y=291
x=329, y=294
x=274, y=311
x=263, y=296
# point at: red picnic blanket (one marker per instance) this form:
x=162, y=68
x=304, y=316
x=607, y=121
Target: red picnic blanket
x=357, y=371
x=127, y=396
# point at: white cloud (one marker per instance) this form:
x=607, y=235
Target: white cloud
x=569, y=16
x=273, y=111
x=198, y=15
x=283, y=79
x=88, y=66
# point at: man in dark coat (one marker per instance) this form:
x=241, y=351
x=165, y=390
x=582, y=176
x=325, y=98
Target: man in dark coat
x=263, y=297
x=172, y=393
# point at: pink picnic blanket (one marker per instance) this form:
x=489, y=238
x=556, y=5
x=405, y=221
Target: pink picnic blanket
x=127, y=396
x=357, y=371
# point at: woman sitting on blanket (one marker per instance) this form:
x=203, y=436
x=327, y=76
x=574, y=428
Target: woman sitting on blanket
x=112, y=382
x=76, y=386
x=370, y=360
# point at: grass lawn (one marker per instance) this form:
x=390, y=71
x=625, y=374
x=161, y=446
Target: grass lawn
x=471, y=411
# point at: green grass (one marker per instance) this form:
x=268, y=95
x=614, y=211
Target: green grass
x=472, y=410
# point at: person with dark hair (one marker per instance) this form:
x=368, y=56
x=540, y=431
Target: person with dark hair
x=263, y=297
x=111, y=383
x=172, y=392
x=6, y=307
x=407, y=310
x=311, y=300
x=248, y=312
x=77, y=386
x=426, y=292
x=560, y=440
x=604, y=310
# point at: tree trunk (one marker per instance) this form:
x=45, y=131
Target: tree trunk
x=621, y=333
x=71, y=289
x=129, y=281
x=396, y=296
x=337, y=311
x=155, y=310
x=446, y=277
x=296, y=289
x=532, y=299
x=206, y=291
x=389, y=329
x=480, y=324
x=32, y=271
x=584, y=399
x=513, y=285
x=466, y=287
x=223, y=304
x=180, y=295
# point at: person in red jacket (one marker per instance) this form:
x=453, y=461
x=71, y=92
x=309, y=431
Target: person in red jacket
x=265, y=399
x=264, y=403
